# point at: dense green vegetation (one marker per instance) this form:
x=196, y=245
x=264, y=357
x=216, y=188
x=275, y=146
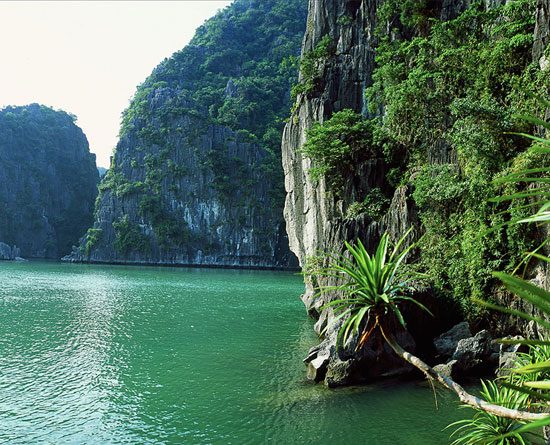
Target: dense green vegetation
x=513, y=408
x=129, y=237
x=337, y=145
x=236, y=72
x=527, y=382
x=310, y=67
x=48, y=180
x=444, y=103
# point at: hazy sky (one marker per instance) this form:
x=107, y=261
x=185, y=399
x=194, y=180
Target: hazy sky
x=87, y=57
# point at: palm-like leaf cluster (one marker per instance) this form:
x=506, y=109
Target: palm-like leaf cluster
x=529, y=381
x=486, y=428
x=371, y=287
x=539, y=191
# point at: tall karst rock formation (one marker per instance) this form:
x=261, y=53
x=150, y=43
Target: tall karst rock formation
x=438, y=112
x=48, y=181
x=196, y=177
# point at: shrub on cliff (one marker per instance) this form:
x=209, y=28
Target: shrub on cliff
x=336, y=146
x=444, y=96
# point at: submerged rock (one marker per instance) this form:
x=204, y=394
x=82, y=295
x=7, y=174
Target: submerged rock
x=344, y=366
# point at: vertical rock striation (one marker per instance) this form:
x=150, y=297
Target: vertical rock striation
x=315, y=219
x=48, y=181
x=196, y=178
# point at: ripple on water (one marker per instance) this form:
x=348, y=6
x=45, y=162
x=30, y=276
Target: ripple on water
x=97, y=354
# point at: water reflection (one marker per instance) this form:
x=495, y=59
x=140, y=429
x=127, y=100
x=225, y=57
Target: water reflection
x=95, y=355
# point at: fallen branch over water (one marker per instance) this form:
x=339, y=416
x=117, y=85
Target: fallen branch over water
x=462, y=394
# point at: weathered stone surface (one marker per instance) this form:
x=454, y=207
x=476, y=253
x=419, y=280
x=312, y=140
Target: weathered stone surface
x=8, y=253
x=472, y=352
x=231, y=229
x=446, y=343
x=508, y=355
x=542, y=32
x=48, y=181
x=472, y=356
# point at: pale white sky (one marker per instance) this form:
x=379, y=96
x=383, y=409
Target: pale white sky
x=87, y=57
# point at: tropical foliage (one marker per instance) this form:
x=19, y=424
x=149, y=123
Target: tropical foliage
x=530, y=379
x=372, y=287
x=487, y=428
x=443, y=116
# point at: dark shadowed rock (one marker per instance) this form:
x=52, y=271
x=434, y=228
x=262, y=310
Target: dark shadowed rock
x=446, y=343
x=8, y=253
x=48, y=181
x=472, y=352
x=508, y=355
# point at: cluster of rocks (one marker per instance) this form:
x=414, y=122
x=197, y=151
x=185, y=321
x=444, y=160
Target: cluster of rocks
x=9, y=253
x=344, y=366
x=466, y=355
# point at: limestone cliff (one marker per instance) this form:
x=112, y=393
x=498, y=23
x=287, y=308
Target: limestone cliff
x=318, y=219
x=48, y=181
x=196, y=177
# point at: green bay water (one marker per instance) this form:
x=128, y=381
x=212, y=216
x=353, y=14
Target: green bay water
x=132, y=355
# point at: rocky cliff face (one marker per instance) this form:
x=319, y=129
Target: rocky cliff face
x=316, y=218
x=48, y=181
x=196, y=177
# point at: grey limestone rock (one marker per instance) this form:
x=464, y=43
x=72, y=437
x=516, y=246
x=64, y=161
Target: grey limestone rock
x=472, y=352
x=48, y=181
x=192, y=184
x=446, y=343
x=7, y=252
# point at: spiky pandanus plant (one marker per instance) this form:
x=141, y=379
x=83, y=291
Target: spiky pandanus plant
x=372, y=290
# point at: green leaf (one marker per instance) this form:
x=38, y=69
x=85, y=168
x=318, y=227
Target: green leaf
x=528, y=291
x=545, y=384
x=529, y=392
x=512, y=312
x=533, y=367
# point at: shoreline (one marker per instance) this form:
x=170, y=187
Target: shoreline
x=181, y=265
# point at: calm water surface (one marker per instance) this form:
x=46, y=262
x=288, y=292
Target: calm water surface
x=104, y=354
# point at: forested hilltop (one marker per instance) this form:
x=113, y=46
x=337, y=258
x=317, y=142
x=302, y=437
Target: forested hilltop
x=48, y=181
x=407, y=113
x=196, y=177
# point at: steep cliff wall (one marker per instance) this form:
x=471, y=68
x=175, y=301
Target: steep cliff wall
x=48, y=181
x=335, y=77
x=196, y=177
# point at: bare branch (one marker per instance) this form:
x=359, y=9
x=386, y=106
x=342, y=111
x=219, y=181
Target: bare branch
x=462, y=394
